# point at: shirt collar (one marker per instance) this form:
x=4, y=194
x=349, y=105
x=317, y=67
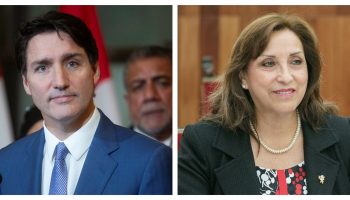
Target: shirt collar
x=78, y=143
x=167, y=141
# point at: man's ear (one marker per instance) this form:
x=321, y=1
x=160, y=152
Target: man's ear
x=97, y=74
x=25, y=84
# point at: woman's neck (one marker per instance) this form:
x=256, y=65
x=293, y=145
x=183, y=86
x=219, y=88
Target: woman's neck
x=276, y=129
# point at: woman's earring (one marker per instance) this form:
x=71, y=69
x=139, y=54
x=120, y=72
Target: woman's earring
x=244, y=86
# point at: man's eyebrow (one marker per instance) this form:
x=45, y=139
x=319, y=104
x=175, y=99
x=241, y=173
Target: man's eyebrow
x=161, y=77
x=69, y=56
x=47, y=61
x=136, y=81
x=44, y=61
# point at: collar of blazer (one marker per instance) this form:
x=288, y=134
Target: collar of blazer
x=238, y=175
x=99, y=164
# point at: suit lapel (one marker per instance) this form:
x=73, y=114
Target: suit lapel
x=318, y=164
x=31, y=167
x=237, y=174
x=99, y=165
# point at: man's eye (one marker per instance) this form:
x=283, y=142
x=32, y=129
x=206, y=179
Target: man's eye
x=41, y=68
x=136, y=87
x=73, y=64
x=164, y=82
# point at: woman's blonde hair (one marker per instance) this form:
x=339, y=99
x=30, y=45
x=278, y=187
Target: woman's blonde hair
x=232, y=106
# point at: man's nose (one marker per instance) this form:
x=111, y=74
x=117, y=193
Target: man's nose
x=151, y=91
x=60, y=78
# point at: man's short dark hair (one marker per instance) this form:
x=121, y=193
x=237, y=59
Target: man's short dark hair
x=149, y=52
x=54, y=21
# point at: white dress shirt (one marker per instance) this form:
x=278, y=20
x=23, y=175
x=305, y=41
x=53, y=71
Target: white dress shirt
x=167, y=141
x=78, y=145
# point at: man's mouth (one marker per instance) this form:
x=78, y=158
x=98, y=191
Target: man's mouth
x=62, y=98
x=152, y=112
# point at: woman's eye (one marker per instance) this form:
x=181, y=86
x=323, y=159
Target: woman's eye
x=268, y=63
x=297, y=62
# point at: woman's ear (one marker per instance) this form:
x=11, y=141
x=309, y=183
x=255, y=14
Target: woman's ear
x=242, y=77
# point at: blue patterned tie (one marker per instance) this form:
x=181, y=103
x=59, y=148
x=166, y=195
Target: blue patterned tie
x=59, y=175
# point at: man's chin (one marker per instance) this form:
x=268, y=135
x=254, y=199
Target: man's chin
x=64, y=116
x=153, y=128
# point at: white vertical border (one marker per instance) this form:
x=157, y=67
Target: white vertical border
x=175, y=96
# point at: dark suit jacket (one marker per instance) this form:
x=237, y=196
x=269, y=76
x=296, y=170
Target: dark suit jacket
x=119, y=161
x=215, y=160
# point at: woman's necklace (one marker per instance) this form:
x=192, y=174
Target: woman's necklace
x=283, y=150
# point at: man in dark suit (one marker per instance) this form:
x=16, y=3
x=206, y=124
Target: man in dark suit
x=79, y=150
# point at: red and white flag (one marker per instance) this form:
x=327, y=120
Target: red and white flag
x=106, y=98
x=6, y=134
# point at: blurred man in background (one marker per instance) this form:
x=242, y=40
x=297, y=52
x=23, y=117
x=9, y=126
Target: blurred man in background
x=148, y=83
